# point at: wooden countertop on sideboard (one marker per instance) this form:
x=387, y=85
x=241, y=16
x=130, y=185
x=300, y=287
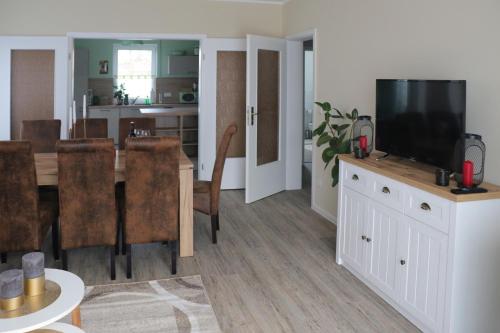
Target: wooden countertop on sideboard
x=419, y=175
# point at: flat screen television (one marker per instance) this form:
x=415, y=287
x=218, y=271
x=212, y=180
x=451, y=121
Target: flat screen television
x=420, y=119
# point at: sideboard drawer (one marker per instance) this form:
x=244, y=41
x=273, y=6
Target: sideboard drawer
x=428, y=208
x=388, y=192
x=357, y=178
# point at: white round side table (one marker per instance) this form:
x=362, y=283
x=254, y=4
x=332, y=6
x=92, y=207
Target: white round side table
x=72, y=292
x=62, y=328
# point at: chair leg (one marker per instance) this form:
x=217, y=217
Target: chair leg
x=117, y=245
x=64, y=255
x=112, y=262
x=124, y=245
x=3, y=255
x=173, y=257
x=55, y=239
x=214, y=228
x=129, y=260
x=218, y=225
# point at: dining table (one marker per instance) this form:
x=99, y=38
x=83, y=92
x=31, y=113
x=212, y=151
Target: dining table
x=46, y=171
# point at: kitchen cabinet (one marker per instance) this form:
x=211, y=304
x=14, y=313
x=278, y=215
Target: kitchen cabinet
x=113, y=116
x=183, y=65
x=130, y=113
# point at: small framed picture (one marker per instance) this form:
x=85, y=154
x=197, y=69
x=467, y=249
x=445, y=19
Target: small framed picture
x=103, y=67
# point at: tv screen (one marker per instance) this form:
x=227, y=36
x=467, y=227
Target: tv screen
x=420, y=119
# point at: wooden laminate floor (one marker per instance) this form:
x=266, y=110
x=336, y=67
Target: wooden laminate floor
x=273, y=270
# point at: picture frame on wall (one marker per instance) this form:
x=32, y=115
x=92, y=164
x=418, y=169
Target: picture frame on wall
x=103, y=66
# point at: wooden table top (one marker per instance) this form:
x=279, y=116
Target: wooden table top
x=46, y=167
x=418, y=175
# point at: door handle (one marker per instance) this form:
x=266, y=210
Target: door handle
x=363, y=237
x=402, y=262
x=355, y=177
x=252, y=115
x=386, y=190
x=368, y=239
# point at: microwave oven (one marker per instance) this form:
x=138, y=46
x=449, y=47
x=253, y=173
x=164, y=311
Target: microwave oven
x=188, y=97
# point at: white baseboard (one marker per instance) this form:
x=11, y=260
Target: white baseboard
x=327, y=215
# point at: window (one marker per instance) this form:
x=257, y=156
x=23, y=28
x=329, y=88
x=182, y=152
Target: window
x=135, y=68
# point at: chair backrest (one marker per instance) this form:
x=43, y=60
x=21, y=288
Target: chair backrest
x=94, y=128
x=140, y=123
x=87, y=206
x=43, y=134
x=19, y=217
x=152, y=189
x=219, y=167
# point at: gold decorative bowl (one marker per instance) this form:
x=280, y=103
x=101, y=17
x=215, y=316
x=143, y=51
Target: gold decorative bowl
x=35, y=303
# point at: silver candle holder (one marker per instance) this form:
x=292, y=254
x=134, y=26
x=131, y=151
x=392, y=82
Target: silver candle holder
x=34, y=273
x=11, y=290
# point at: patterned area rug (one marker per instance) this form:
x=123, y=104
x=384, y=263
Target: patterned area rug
x=173, y=305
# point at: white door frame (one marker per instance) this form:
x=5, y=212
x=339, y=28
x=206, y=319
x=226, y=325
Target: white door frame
x=295, y=110
x=234, y=169
x=202, y=130
x=60, y=47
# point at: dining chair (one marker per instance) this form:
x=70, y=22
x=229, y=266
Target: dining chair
x=140, y=123
x=94, y=129
x=151, y=194
x=26, y=215
x=43, y=134
x=86, y=178
x=206, y=194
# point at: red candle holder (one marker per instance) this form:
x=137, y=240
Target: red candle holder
x=468, y=174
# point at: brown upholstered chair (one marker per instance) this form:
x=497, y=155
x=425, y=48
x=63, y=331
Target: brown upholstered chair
x=151, y=194
x=95, y=129
x=206, y=193
x=86, y=171
x=43, y=134
x=140, y=123
x=25, y=215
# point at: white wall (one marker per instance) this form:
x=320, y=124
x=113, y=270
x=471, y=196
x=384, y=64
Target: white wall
x=60, y=46
x=217, y=19
x=361, y=41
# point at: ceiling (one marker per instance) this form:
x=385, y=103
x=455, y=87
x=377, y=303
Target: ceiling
x=271, y=2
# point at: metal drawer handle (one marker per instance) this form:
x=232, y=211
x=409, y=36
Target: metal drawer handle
x=425, y=206
x=363, y=237
x=355, y=177
x=368, y=239
x=402, y=262
x=386, y=190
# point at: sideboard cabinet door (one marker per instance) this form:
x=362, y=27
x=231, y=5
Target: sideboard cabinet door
x=353, y=215
x=422, y=253
x=381, y=248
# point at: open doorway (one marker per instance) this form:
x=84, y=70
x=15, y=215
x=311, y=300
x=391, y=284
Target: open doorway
x=308, y=114
x=130, y=76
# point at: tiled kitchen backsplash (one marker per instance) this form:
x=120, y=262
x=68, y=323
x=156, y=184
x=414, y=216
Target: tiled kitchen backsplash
x=104, y=88
x=174, y=86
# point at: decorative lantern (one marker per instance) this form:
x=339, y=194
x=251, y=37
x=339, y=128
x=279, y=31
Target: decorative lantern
x=470, y=150
x=363, y=135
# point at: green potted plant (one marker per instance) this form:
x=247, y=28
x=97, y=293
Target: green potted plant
x=334, y=136
x=119, y=93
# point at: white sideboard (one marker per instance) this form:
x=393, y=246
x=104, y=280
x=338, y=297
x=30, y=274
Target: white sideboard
x=434, y=256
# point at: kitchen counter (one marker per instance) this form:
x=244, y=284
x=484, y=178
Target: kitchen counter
x=170, y=111
x=143, y=106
